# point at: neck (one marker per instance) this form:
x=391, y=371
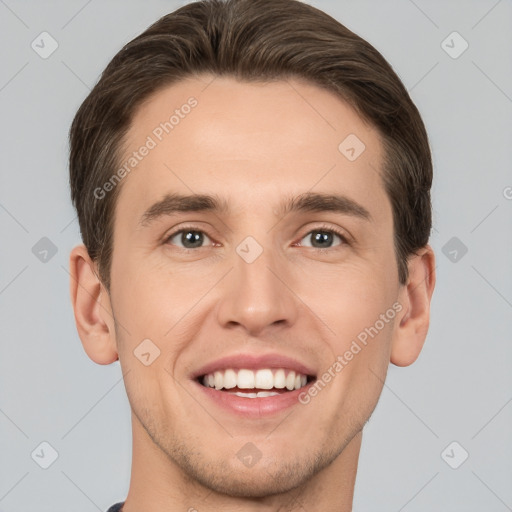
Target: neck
x=159, y=485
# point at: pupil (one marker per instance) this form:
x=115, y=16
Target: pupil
x=322, y=237
x=192, y=239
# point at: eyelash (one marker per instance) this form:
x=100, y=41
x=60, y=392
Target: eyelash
x=322, y=229
x=328, y=229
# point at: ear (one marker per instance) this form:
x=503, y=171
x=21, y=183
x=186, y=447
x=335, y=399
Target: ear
x=92, y=308
x=412, y=325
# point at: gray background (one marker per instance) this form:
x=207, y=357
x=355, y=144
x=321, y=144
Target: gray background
x=460, y=388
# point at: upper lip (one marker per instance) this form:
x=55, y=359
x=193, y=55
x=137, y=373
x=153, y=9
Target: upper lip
x=254, y=362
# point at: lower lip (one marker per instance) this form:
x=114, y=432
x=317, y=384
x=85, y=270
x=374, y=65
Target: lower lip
x=254, y=407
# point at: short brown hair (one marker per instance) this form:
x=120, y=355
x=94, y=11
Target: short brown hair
x=251, y=40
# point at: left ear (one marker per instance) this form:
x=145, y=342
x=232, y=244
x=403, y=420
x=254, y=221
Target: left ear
x=412, y=325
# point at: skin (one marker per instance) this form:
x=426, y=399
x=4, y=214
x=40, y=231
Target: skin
x=253, y=144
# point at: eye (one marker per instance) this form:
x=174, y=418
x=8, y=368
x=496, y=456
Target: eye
x=323, y=238
x=188, y=238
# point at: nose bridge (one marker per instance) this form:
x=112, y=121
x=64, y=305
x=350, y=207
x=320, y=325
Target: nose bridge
x=255, y=297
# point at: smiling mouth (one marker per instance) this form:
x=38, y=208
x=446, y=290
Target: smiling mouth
x=262, y=383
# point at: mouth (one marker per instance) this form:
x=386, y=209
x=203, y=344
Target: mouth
x=262, y=383
x=254, y=386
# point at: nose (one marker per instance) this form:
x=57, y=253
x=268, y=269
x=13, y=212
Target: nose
x=257, y=296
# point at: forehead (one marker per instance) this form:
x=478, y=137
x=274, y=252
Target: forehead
x=249, y=142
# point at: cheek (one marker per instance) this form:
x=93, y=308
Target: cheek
x=360, y=310
x=151, y=297
x=158, y=311
x=351, y=300
x=357, y=373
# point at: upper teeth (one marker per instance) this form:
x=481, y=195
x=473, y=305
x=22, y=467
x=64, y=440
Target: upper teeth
x=260, y=379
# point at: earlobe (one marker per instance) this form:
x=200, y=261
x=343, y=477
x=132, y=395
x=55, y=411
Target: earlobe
x=415, y=296
x=92, y=308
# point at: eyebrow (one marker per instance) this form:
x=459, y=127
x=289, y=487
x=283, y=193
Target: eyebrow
x=307, y=202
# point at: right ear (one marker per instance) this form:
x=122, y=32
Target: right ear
x=92, y=308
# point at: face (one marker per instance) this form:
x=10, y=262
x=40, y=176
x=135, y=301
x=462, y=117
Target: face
x=268, y=306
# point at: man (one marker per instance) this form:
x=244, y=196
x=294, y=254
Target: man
x=252, y=183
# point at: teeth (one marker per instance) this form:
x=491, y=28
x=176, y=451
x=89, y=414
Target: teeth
x=263, y=394
x=219, y=380
x=290, y=381
x=245, y=379
x=247, y=395
x=260, y=394
x=230, y=379
x=264, y=379
x=279, y=379
x=261, y=379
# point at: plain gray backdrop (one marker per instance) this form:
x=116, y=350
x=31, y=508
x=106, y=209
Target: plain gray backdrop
x=453, y=402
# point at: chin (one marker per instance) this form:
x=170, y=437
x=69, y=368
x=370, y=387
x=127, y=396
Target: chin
x=266, y=478
x=251, y=483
